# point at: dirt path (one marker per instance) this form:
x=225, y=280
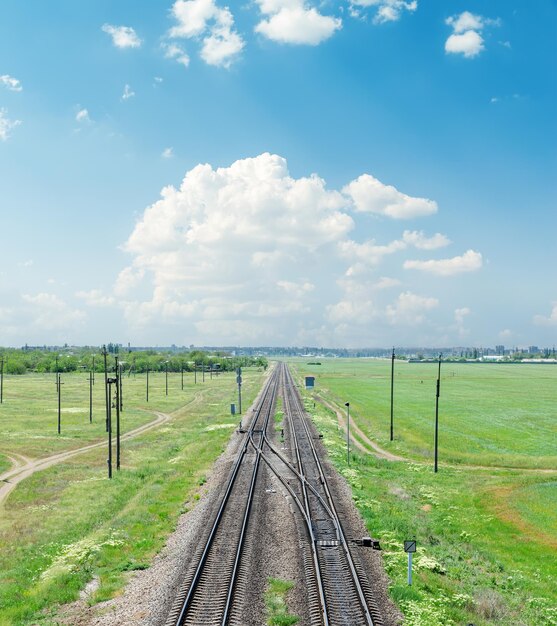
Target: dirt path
x=23, y=467
x=380, y=453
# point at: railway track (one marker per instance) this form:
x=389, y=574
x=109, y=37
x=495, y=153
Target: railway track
x=337, y=588
x=206, y=598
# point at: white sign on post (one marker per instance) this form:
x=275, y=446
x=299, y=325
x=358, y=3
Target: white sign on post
x=410, y=548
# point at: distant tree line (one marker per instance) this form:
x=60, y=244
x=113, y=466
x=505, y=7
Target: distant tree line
x=22, y=361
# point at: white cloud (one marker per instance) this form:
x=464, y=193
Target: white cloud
x=82, y=116
x=470, y=261
x=213, y=25
x=167, y=153
x=409, y=309
x=122, y=36
x=465, y=21
x=386, y=283
x=466, y=38
x=50, y=313
x=27, y=263
x=174, y=51
x=248, y=253
x=372, y=196
x=295, y=289
x=419, y=240
x=6, y=125
x=460, y=317
x=158, y=80
x=387, y=10
x=96, y=298
x=470, y=44
x=293, y=22
x=11, y=83
x=551, y=320
x=195, y=247
x=128, y=93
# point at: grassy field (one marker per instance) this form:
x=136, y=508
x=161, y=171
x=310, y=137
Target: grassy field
x=68, y=524
x=503, y=415
x=487, y=540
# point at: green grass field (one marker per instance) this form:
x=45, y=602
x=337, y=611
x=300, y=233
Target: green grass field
x=487, y=536
x=67, y=524
x=502, y=415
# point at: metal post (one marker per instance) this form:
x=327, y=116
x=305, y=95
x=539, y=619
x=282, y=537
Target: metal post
x=166, y=376
x=2, y=380
x=106, y=390
x=120, y=387
x=147, y=386
x=347, y=405
x=109, y=425
x=182, y=372
x=91, y=397
x=410, y=568
x=56, y=359
x=437, y=415
x=392, y=391
x=195, y=373
x=203, y=372
x=93, y=369
x=58, y=386
x=118, y=409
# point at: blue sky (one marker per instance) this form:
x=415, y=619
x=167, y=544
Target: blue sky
x=341, y=174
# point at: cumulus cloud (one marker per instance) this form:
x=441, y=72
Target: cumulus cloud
x=410, y=308
x=11, y=83
x=551, y=320
x=372, y=196
x=6, y=125
x=294, y=22
x=96, y=298
x=176, y=52
x=199, y=242
x=128, y=93
x=122, y=36
x=386, y=283
x=419, y=240
x=48, y=312
x=249, y=253
x=82, y=116
x=212, y=25
x=469, y=44
x=459, y=317
x=387, y=10
x=470, y=261
x=295, y=289
x=466, y=38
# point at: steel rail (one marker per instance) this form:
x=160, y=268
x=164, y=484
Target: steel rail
x=315, y=556
x=245, y=520
x=323, y=480
x=271, y=384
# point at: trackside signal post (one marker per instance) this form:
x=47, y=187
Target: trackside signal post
x=410, y=548
x=1, y=380
x=239, y=381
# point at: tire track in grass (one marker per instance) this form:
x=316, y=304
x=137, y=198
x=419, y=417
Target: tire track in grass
x=23, y=467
